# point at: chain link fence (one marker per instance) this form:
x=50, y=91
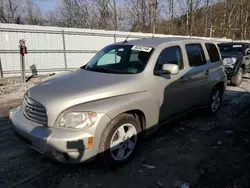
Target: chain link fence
x=55, y=49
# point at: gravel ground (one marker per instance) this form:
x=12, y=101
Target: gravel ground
x=13, y=89
x=195, y=151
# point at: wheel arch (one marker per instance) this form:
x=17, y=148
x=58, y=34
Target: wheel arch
x=140, y=116
x=243, y=66
x=142, y=107
x=222, y=85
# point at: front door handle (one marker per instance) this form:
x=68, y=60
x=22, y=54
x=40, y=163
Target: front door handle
x=207, y=72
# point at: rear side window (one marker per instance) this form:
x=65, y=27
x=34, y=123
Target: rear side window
x=170, y=55
x=213, y=52
x=195, y=55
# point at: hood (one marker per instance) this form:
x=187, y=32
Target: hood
x=231, y=54
x=61, y=92
x=81, y=84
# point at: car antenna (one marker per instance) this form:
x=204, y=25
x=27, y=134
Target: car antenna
x=126, y=40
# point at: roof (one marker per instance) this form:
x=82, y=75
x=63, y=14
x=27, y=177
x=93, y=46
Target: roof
x=233, y=43
x=156, y=41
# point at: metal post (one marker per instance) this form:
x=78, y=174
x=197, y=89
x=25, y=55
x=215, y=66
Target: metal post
x=1, y=69
x=115, y=38
x=211, y=31
x=23, y=77
x=64, y=51
x=116, y=52
x=155, y=3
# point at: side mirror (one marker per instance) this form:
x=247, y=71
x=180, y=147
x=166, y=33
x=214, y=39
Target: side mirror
x=168, y=69
x=172, y=68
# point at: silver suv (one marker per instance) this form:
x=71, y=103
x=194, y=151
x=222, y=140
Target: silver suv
x=124, y=92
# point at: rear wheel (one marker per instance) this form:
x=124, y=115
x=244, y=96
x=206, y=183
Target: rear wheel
x=237, y=78
x=215, y=100
x=119, y=140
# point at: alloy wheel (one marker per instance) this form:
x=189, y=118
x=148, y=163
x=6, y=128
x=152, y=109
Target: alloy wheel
x=123, y=142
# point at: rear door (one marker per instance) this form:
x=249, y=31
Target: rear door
x=197, y=75
x=215, y=67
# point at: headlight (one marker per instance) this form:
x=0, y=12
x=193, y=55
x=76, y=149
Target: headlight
x=78, y=120
x=229, y=61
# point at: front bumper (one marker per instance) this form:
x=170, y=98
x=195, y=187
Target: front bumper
x=64, y=145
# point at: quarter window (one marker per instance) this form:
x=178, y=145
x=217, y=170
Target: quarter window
x=213, y=52
x=195, y=55
x=171, y=55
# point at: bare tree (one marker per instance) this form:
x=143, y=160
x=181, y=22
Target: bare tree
x=140, y=14
x=246, y=24
x=10, y=10
x=189, y=8
x=113, y=5
x=73, y=13
x=206, y=16
x=171, y=13
x=104, y=13
x=223, y=18
x=50, y=18
x=34, y=15
x=244, y=17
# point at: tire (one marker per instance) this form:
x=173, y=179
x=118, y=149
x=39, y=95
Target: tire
x=215, y=100
x=122, y=146
x=237, y=78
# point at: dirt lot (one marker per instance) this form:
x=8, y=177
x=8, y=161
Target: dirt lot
x=196, y=151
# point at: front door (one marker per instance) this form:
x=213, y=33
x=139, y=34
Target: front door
x=177, y=90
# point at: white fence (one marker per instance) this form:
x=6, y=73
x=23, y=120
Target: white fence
x=54, y=49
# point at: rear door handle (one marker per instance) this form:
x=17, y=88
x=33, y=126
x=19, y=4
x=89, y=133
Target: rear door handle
x=183, y=79
x=207, y=72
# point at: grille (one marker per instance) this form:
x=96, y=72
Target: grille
x=34, y=111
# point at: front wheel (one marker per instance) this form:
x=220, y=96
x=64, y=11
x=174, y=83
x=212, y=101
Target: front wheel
x=237, y=78
x=119, y=140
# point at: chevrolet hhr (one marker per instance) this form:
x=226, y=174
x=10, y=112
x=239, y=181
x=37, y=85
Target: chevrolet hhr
x=123, y=93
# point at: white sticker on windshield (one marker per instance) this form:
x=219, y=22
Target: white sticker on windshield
x=141, y=48
x=237, y=46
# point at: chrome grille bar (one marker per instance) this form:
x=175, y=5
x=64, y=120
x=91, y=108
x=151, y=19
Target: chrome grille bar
x=34, y=111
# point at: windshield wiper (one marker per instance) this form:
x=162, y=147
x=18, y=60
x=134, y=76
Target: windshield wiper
x=103, y=70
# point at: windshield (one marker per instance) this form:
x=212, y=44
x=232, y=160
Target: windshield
x=235, y=48
x=120, y=59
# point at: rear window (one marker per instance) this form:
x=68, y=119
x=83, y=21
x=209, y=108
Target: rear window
x=195, y=55
x=213, y=52
x=236, y=48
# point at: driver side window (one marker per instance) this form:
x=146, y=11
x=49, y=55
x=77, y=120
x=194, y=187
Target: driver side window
x=110, y=58
x=170, y=55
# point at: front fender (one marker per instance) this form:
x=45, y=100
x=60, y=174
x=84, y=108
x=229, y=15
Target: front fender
x=111, y=107
x=114, y=106
x=237, y=66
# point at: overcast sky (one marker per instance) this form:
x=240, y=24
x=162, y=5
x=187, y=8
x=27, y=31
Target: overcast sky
x=46, y=5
